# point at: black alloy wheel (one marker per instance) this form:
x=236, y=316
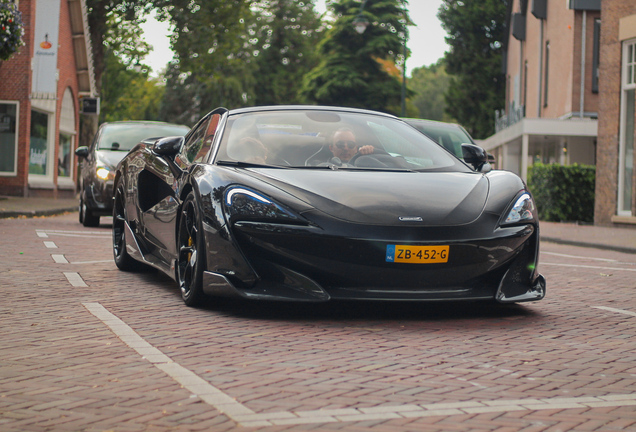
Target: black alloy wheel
x=191, y=250
x=123, y=260
x=86, y=216
x=81, y=210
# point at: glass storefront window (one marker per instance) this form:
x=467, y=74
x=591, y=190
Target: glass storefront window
x=64, y=155
x=8, y=137
x=38, y=156
x=628, y=157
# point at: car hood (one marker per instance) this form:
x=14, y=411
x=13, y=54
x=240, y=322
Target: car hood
x=387, y=198
x=109, y=157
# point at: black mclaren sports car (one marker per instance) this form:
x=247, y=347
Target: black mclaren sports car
x=309, y=203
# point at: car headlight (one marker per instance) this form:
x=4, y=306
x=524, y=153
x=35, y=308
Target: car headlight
x=102, y=173
x=522, y=210
x=246, y=204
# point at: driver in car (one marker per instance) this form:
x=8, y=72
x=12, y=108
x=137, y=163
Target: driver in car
x=344, y=145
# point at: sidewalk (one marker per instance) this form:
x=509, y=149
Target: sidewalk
x=617, y=239
x=11, y=207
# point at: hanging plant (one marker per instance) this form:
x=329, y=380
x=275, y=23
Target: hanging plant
x=11, y=29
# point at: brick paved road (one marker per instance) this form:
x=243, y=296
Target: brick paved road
x=85, y=347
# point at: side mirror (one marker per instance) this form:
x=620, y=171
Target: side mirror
x=477, y=157
x=82, y=151
x=168, y=146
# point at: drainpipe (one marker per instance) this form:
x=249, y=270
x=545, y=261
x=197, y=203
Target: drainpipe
x=540, y=70
x=583, y=34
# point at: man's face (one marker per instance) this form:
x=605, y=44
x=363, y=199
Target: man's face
x=344, y=145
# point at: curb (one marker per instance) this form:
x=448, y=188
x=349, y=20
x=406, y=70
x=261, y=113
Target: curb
x=36, y=213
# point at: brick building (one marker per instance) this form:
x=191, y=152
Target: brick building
x=615, y=178
x=40, y=91
x=552, y=86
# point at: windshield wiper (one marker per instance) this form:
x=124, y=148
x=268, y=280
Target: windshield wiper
x=248, y=164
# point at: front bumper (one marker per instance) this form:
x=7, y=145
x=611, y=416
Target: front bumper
x=298, y=265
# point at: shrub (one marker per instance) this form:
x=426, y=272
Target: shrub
x=11, y=29
x=563, y=192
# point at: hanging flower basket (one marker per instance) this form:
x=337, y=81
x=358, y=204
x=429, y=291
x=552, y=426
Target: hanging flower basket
x=11, y=30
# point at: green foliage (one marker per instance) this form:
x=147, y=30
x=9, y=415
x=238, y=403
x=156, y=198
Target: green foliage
x=351, y=71
x=563, y=192
x=476, y=31
x=11, y=29
x=212, y=49
x=429, y=84
x=126, y=91
x=284, y=34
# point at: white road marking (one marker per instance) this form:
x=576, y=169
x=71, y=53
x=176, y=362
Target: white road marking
x=75, y=279
x=93, y=262
x=188, y=379
x=248, y=418
x=50, y=245
x=580, y=257
x=611, y=309
x=59, y=259
x=73, y=232
x=87, y=234
x=589, y=267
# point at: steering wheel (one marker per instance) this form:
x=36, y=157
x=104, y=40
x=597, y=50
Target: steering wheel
x=376, y=151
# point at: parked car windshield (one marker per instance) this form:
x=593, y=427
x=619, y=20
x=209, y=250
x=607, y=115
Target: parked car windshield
x=123, y=137
x=334, y=139
x=448, y=135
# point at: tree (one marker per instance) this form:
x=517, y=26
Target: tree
x=476, y=30
x=212, y=50
x=126, y=91
x=284, y=34
x=429, y=85
x=351, y=72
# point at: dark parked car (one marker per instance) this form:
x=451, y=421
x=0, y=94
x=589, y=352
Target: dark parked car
x=98, y=162
x=449, y=135
x=256, y=203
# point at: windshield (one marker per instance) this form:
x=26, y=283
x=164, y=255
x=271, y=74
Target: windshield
x=448, y=135
x=123, y=137
x=330, y=139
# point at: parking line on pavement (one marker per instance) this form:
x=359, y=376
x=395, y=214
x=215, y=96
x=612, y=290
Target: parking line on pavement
x=42, y=234
x=75, y=279
x=50, y=245
x=248, y=418
x=188, y=379
x=611, y=309
x=59, y=259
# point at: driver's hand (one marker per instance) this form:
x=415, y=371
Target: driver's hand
x=365, y=150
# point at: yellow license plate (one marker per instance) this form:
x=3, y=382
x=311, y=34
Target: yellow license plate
x=417, y=254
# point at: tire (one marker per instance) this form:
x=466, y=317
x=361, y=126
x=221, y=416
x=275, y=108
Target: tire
x=87, y=218
x=123, y=261
x=191, y=252
x=81, y=210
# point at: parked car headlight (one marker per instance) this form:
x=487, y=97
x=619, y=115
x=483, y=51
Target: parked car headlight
x=246, y=204
x=102, y=173
x=522, y=211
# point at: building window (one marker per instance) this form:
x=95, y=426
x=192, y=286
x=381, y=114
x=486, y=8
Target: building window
x=547, y=69
x=595, y=55
x=65, y=157
x=628, y=105
x=8, y=138
x=66, y=138
x=38, y=156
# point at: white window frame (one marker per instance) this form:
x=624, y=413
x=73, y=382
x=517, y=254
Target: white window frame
x=15, y=146
x=39, y=181
x=628, y=82
x=67, y=128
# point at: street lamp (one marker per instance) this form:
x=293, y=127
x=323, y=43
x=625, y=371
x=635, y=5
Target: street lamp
x=360, y=24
